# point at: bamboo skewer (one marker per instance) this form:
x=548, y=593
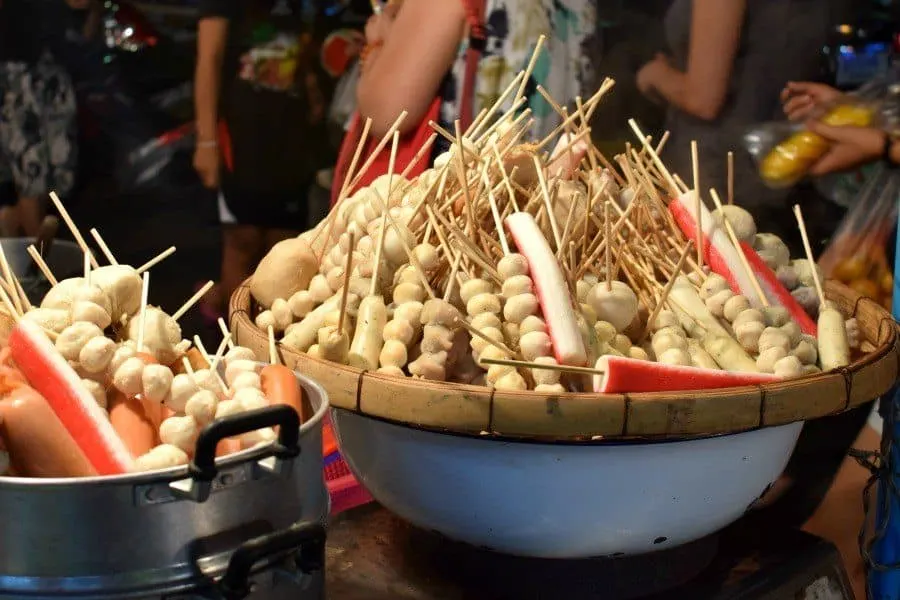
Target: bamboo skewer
x=71, y=225
x=522, y=364
x=698, y=207
x=156, y=260
x=10, y=278
x=809, y=254
x=39, y=261
x=192, y=300
x=103, y=247
x=142, y=319
x=740, y=250
x=730, y=178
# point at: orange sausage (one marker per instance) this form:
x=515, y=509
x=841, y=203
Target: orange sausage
x=228, y=446
x=136, y=425
x=280, y=386
x=195, y=357
x=37, y=441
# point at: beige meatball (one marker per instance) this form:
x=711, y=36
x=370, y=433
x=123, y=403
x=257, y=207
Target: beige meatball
x=474, y=287
x=239, y=353
x=90, y=312
x=776, y=316
x=748, y=335
x=517, y=284
x=128, y=378
x=519, y=307
x=773, y=337
x=535, y=344
x=74, y=337
x=162, y=457
x=156, y=381
x=532, y=323
x=714, y=284
x=485, y=320
x=49, y=319
x=512, y=265
x=319, y=289
x=793, y=331
x=675, y=356
x=618, y=305
x=766, y=360
x=484, y=303
x=734, y=306
x=161, y=334
x=394, y=353
x=511, y=381
x=716, y=302
x=665, y=318
x=96, y=390
x=180, y=432
x=787, y=367
x=749, y=316
x=282, y=313
x=182, y=388
x=545, y=376
x=96, y=354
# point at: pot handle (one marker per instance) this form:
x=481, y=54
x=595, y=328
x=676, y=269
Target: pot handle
x=202, y=469
x=306, y=540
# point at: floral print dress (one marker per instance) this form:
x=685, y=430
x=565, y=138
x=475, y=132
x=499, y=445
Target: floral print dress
x=564, y=67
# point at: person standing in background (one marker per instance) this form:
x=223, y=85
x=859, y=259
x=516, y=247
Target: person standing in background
x=419, y=48
x=725, y=66
x=37, y=114
x=260, y=95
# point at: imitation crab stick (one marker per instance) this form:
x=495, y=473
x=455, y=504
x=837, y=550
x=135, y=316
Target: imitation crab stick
x=37, y=442
x=76, y=408
x=639, y=376
x=722, y=257
x=551, y=289
x=776, y=292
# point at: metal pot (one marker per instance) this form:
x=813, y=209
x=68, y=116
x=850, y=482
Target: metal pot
x=188, y=532
x=562, y=500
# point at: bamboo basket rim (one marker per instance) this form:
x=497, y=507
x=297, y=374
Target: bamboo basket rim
x=592, y=418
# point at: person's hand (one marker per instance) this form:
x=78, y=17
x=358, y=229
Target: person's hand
x=378, y=27
x=803, y=100
x=648, y=75
x=849, y=147
x=206, y=163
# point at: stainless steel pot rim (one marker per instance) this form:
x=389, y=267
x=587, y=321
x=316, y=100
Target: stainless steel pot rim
x=175, y=473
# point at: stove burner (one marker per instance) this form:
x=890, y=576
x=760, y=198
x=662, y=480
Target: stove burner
x=373, y=555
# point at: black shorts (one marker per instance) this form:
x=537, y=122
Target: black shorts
x=271, y=210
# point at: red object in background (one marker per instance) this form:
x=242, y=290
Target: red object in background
x=142, y=30
x=339, y=49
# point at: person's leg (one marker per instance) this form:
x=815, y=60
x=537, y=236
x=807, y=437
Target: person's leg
x=242, y=246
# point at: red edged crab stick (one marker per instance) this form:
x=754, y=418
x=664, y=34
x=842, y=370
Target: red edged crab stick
x=634, y=376
x=55, y=380
x=551, y=289
x=723, y=258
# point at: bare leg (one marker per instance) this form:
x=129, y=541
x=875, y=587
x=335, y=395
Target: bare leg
x=31, y=212
x=242, y=247
x=9, y=221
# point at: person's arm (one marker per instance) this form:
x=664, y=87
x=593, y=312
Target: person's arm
x=702, y=89
x=405, y=72
x=212, y=35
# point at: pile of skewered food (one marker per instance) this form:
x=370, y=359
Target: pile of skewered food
x=95, y=381
x=545, y=266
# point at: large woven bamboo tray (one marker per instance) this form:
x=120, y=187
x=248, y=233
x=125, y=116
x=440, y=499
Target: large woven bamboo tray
x=480, y=410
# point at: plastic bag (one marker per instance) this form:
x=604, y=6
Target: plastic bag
x=343, y=103
x=784, y=152
x=857, y=253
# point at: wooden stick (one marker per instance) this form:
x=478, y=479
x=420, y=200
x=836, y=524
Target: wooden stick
x=273, y=347
x=199, y=344
x=496, y=105
x=522, y=364
x=545, y=193
x=453, y=271
x=608, y=234
x=192, y=300
x=495, y=213
x=473, y=331
x=225, y=333
x=188, y=368
x=71, y=225
x=730, y=178
x=420, y=154
x=530, y=68
x=156, y=259
x=103, y=247
x=220, y=351
x=809, y=254
x=87, y=267
x=10, y=278
x=740, y=250
x=346, y=290
x=665, y=293
x=22, y=294
x=145, y=293
x=10, y=307
x=653, y=155
x=48, y=274
x=695, y=168
x=388, y=136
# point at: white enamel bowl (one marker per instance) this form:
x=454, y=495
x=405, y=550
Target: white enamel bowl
x=563, y=500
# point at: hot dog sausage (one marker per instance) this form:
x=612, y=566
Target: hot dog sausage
x=281, y=387
x=38, y=443
x=136, y=425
